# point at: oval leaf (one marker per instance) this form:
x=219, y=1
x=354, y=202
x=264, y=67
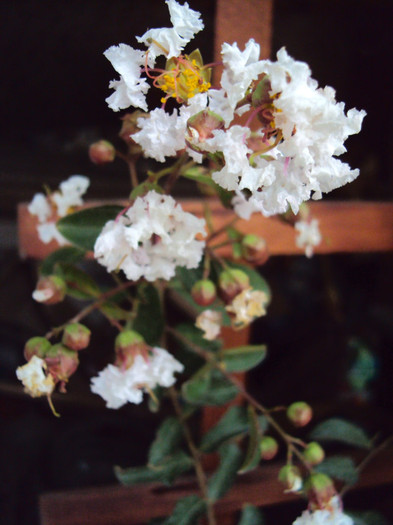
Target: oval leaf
x=336, y=429
x=208, y=387
x=253, y=454
x=168, y=438
x=251, y=516
x=339, y=467
x=68, y=254
x=83, y=227
x=187, y=511
x=233, y=423
x=149, y=308
x=243, y=358
x=225, y=476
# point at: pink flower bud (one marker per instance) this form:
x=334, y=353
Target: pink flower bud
x=38, y=346
x=62, y=362
x=231, y=283
x=291, y=478
x=204, y=292
x=128, y=345
x=102, y=152
x=269, y=447
x=50, y=290
x=201, y=126
x=299, y=413
x=314, y=453
x=76, y=336
x=129, y=127
x=254, y=249
x=319, y=490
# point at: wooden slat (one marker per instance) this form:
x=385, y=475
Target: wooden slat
x=345, y=226
x=117, y=505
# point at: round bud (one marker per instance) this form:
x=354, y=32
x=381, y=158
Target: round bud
x=314, y=453
x=231, y=283
x=102, y=152
x=50, y=290
x=290, y=476
x=299, y=413
x=38, y=346
x=254, y=249
x=62, y=362
x=319, y=489
x=204, y=292
x=128, y=345
x=129, y=127
x=268, y=447
x=201, y=126
x=76, y=336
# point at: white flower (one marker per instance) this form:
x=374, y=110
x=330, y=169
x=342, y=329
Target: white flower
x=329, y=516
x=246, y=306
x=34, y=379
x=240, y=68
x=153, y=237
x=209, y=321
x=118, y=387
x=70, y=194
x=171, y=41
x=131, y=89
x=309, y=235
x=40, y=207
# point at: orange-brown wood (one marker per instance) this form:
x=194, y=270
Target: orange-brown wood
x=118, y=505
x=345, y=226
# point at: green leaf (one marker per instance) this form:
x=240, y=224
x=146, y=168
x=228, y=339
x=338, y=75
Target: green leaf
x=83, y=227
x=336, y=429
x=225, y=475
x=368, y=518
x=243, y=358
x=251, y=516
x=208, y=387
x=167, y=441
x=79, y=283
x=233, y=423
x=149, y=321
x=253, y=454
x=187, y=511
x=166, y=472
x=68, y=254
x=339, y=467
x=113, y=311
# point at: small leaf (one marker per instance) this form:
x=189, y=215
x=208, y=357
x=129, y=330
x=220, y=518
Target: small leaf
x=83, y=227
x=251, y=516
x=253, y=454
x=149, y=321
x=336, y=429
x=233, y=423
x=225, y=475
x=187, y=511
x=113, y=311
x=243, y=358
x=208, y=387
x=68, y=254
x=167, y=441
x=339, y=467
x=79, y=283
x=166, y=472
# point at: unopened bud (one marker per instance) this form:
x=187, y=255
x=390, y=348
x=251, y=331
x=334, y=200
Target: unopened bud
x=291, y=478
x=231, y=283
x=254, y=249
x=319, y=489
x=201, y=126
x=76, y=336
x=62, y=362
x=129, y=127
x=38, y=346
x=50, y=290
x=102, y=152
x=268, y=447
x=128, y=345
x=299, y=413
x=204, y=292
x=314, y=453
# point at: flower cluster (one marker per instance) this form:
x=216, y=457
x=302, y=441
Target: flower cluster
x=48, y=209
x=150, y=239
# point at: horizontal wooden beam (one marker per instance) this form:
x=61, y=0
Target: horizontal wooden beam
x=345, y=227
x=117, y=505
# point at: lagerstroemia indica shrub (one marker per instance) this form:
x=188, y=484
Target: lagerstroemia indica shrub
x=285, y=153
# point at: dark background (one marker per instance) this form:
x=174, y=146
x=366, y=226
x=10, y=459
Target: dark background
x=54, y=84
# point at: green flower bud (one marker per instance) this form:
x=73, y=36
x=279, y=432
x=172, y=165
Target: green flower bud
x=62, y=362
x=291, y=477
x=299, y=413
x=254, y=249
x=50, y=290
x=128, y=345
x=204, y=292
x=314, y=453
x=269, y=447
x=102, y=152
x=76, y=336
x=231, y=283
x=319, y=489
x=38, y=346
